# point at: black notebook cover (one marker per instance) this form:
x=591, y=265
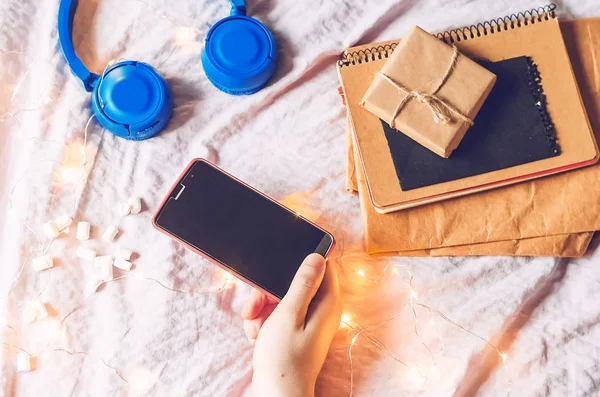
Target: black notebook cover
x=512, y=128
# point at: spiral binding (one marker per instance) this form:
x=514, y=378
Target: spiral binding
x=367, y=55
x=508, y=22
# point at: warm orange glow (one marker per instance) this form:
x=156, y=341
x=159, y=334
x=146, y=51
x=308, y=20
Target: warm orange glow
x=361, y=273
x=229, y=279
x=185, y=34
x=140, y=380
x=414, y=374
x=345, y=321
x=69, y=174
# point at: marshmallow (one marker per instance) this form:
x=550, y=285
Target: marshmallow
x=34, y=310
x=85, y=253
x=135, y=205
x=42, y=263
x=110, y=233
x=50, y=229
x=102, y=260
x=29, y=313
x=123, y=253
x=83, y=230
x=106, y=270
x=23, y=362
x=124, y=209
x=40, y=308
x=122, y=264
x=63, y=223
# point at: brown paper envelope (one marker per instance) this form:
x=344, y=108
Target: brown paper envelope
x=561, y=245
x=542, y=41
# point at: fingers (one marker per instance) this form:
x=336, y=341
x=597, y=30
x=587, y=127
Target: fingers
x=256, y=311
x=254, y=305
x=252, y=327
x=326, y=309
x=304, y=286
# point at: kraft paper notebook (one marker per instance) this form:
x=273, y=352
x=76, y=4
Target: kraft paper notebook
x=554, y=216
x=537, y=36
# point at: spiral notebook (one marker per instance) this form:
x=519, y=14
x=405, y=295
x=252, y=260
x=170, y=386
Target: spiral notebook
x=535, y=34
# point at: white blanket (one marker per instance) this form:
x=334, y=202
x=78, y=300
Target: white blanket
x=289, y=141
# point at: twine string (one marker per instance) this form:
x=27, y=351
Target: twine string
x=440, y=109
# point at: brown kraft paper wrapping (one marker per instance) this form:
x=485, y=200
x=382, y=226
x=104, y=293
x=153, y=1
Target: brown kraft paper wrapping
x=561, y=245
x=420, y=63
x=553, y=216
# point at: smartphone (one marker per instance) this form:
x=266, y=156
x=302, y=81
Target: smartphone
x=248, y=234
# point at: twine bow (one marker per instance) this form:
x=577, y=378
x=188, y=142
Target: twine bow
x=440, y=109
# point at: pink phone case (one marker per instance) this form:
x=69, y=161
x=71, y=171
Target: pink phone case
x=222, y=266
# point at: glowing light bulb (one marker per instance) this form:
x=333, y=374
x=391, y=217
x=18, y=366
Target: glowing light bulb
x=70, y=174
x=345, y=320
x=413, y=294
x=503, y=357
x=361, y=273
x=140, y=381
x=355, y=338
x=415, y=375
x=185, y=34
x=433, y=373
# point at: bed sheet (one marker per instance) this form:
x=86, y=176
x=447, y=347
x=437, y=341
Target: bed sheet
x=169, y=329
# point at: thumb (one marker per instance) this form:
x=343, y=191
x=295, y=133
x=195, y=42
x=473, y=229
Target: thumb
x=305, y=285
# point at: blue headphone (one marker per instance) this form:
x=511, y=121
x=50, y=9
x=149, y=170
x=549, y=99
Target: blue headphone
x=130, y=99
x=133, y=101
x=239, y=55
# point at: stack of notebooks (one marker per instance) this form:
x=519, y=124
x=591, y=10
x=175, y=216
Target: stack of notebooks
x=533, y=190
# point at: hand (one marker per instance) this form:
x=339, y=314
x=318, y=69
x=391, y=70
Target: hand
x=292, y=337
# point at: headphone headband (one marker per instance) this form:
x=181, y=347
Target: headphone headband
x=238, y=7
x=66, y=15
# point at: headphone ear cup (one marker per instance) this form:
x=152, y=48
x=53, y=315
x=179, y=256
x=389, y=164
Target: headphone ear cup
x=239, y=56
x=132, y=100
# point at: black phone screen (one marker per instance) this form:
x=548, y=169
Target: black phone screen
x=240, y=228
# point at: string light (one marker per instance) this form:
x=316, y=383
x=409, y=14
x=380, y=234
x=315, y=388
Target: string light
x=413, y=294
x=413, y=372
x=70, y=174
x=73, y=175
x=185, y=34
